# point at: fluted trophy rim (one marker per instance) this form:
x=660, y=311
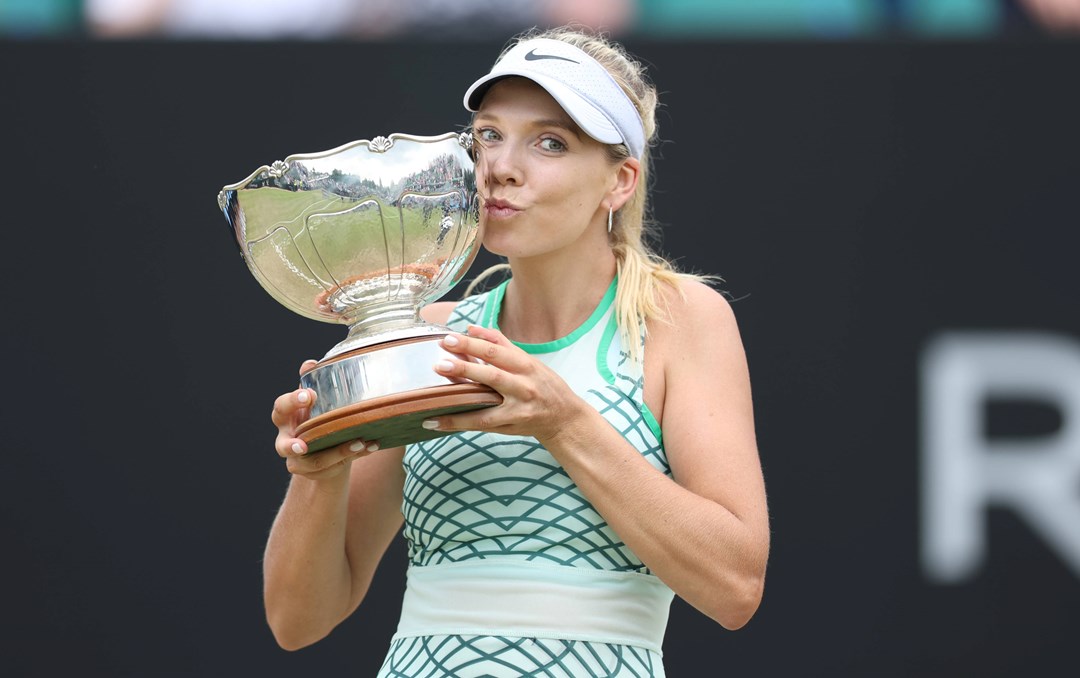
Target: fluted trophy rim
x=392, y=137
x=340, y=280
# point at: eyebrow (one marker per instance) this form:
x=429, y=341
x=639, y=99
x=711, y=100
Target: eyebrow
x=566, y=124
x=562, y=123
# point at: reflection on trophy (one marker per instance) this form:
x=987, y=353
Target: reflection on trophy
x=365, y=235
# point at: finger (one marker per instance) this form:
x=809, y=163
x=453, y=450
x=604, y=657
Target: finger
x=453, y=344
x=290, y=408
x=320, y=465
x=308, y=365
x=499, y=352
x=307, y=463
x=486, y=419
x=481, y=373
x=286, y=446
x=488, y=334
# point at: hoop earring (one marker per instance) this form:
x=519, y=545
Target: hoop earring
x=609, y=219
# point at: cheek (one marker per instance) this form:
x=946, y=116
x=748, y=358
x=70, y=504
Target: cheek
x=480, y=168
x=569, y=188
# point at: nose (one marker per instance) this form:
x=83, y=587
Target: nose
x=500, y=166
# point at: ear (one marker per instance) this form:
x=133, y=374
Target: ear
x=627, y=175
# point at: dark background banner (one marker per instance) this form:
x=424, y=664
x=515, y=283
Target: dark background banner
x=861, y=201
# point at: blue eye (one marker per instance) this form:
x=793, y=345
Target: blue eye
x=551, y=144
x=487, y=134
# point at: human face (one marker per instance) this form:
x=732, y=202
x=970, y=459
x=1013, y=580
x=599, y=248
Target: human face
x=546, y=185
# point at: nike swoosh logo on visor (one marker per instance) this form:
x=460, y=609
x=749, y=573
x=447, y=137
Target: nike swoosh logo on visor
x=533, y=56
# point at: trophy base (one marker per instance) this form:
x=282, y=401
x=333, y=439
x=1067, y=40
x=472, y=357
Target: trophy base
x=394, y=420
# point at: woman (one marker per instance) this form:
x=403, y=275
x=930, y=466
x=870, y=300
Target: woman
x=548, y=534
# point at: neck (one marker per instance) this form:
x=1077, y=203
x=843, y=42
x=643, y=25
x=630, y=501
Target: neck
x=549, y=298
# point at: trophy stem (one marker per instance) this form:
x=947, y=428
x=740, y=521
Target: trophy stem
x=387, y=316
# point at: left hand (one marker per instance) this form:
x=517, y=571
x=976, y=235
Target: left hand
x=536, y=400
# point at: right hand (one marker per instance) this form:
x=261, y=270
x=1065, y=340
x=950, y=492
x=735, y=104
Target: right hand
x=292, y=409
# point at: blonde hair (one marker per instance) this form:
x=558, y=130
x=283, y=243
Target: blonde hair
x=641, y=270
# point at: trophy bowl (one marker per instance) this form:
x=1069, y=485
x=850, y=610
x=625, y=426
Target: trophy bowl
x=365, y=235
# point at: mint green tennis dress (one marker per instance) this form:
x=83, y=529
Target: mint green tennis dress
x=511, y=571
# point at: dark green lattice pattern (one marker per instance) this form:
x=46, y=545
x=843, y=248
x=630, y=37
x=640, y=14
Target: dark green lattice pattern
x=481, y=495
x=475, y=495
x=498, y=657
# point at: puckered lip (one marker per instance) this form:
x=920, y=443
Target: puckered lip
x=498, y=203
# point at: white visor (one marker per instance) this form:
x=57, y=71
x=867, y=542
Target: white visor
x=584, y=89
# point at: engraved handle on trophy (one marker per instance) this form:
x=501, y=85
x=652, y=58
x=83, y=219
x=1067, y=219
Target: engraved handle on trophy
x=365, y=235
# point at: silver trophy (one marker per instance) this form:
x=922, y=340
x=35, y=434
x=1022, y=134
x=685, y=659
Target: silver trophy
x=365, y=235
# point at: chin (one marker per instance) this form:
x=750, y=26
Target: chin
x=500, y=243
x=501, y=250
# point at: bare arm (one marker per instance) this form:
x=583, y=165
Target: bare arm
x=341, y=512
x=326, y=543
x=706, y=534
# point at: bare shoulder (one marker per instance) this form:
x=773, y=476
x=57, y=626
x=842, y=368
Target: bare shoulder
x=694, y=312
x=697, y=296
x=439, y=312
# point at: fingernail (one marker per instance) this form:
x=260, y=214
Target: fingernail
x=451, y=340
x=444, y=366
x=297, y=448
x=430, y=424
x=373, y=447
x=302, y=396
x=357, y=446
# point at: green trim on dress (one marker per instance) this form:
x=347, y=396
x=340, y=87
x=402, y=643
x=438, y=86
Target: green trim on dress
x=494, y=308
